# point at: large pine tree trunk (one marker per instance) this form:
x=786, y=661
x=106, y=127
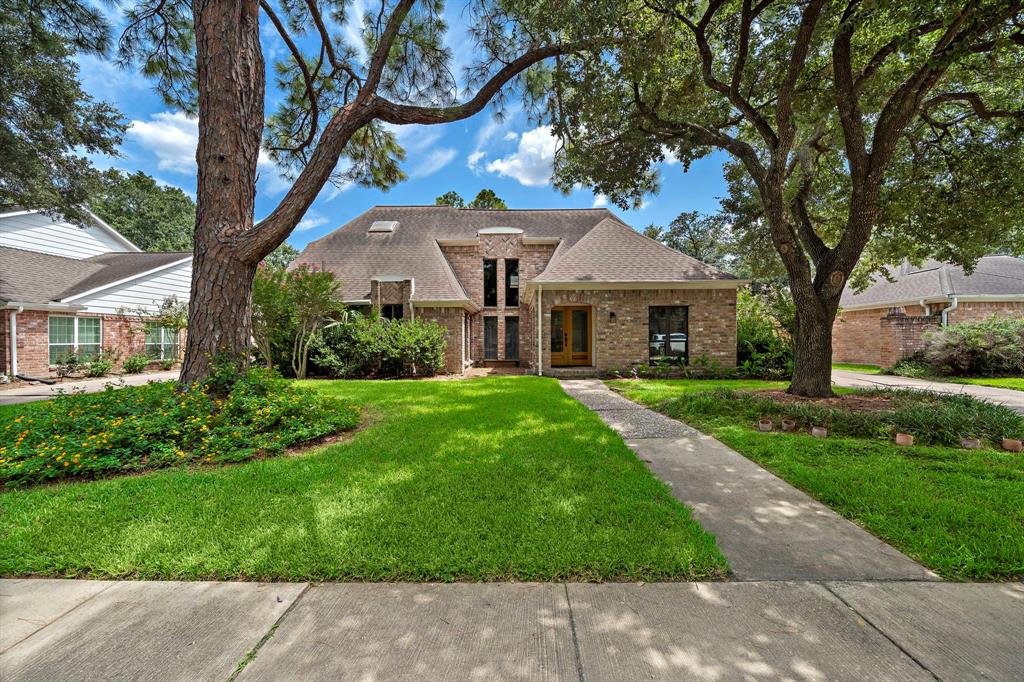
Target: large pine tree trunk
x=230, y=74
x=812, y=362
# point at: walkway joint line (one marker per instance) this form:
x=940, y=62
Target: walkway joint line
x=58, y=617
x=251, y=655
x=575, y=639
x=882, y=632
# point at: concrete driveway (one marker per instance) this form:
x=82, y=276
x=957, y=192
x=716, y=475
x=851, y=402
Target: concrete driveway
x=1001, y=396
x=57, y=630
x=28, y=394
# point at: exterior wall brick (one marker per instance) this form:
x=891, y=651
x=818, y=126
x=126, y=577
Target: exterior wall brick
x=453, y=320
x=884, y=336
x=119, y=333
x=623, y=342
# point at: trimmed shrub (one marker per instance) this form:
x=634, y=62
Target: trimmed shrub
x=158, y=425
x=376, y=347
x=101, y=365
x=764, y=343
x=994, y=347
x=133, y=364
x=913, y=367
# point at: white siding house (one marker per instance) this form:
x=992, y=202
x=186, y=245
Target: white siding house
x=34, y=231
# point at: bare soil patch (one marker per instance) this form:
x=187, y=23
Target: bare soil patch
x=852, y=402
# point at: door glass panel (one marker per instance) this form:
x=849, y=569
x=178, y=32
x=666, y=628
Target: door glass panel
x=490, y=338
x=557, y=331
x=511, y=338
x=580, y=339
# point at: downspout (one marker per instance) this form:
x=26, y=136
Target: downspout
x=14, y=340
x=540, y=324
x=926, y=307
x=946, y=311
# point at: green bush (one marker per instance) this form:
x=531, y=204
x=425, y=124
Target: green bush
x=133, y=364
x=913, y=367
x=101, y=365
x=764, y=342
x=157, y=425
x=932, y=418
x=364, y=346
x=994, y=347
x=167, y=364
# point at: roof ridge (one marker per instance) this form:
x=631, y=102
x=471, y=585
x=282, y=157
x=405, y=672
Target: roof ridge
x=496, y=210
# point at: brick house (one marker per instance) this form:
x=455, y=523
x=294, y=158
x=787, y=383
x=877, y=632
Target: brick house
x=555, y=291
x=80, y=287
x=887, y=321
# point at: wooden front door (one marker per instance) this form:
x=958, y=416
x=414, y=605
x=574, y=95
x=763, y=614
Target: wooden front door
x=571, y=328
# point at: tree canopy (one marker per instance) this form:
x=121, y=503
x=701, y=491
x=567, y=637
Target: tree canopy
x=153, y=217
x=847, y=120
x=47, y=122
x=705, y=237
x=485, y=198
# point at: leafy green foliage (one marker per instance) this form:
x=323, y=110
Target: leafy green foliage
x=135, y=363
x=68, y=364
x=48, y=124
x=994, y=347
x=764, y=340
x=289, y=311
x=281, y=257
x=705, y=237
x=452, y=198
x=153, y=217
x=362, y=346
x=147, y=427
x=486, y=198
x=101, y=365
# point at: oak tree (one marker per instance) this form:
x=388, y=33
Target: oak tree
x=850, y=119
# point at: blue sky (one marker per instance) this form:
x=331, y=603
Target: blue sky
x=512, y=157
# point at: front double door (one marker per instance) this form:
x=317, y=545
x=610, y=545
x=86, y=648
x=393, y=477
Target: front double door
x=571, y=334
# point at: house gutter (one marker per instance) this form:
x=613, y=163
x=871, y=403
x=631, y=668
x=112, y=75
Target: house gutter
x=540, y=325
x=946, y=311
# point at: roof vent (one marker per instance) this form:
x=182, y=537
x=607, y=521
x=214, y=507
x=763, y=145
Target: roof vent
x=383, y=226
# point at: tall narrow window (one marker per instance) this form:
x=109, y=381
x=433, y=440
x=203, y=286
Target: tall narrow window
x=512, y=282
x=392, y=311
x=511, y=338
x=668, y=342
x=490, y=282
x=490, y=338
x=62, y=337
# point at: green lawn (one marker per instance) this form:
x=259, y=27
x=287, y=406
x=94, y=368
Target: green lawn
x=959, y=512
x=1015, y=383
x=863, y=369
x=485, y=479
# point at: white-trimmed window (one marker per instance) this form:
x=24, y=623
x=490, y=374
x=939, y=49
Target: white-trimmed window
x=161, y=342
x=84, y=334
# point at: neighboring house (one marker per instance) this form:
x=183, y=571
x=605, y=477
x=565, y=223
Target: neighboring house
x=579, y=289
x=887, y=321
x=79, y=287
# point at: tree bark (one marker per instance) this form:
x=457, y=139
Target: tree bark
x=230, y=75
x=812, y=361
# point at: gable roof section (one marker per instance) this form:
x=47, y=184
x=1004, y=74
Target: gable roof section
x=613, y=252
x=994, y=277
x=39, y=278
x=14, y=209
x=355, y=256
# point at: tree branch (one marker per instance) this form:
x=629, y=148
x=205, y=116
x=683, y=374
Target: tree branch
x=311, y=94
x=977, y=104
x=384, y=43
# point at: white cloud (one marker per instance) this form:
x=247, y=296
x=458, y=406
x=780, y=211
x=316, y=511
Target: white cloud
x=353, y=28
x=532, y=162
x=599, y=201
x=172, y=137
x=310, y=221
x=670, y=158
x=474, y=159
x=434, y=161
x=510, y=136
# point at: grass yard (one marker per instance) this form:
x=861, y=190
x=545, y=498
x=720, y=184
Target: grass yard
x=1014, y=383
x=485, y=479
x=959, y=512
x=863, y=369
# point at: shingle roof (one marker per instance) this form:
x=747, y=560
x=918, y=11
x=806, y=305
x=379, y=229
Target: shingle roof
x=31, y=277
x=615, y=253
x=932, y=280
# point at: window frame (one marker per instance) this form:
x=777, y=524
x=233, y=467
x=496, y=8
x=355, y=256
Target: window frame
x=392, y=307
x=168, y=340
x=75, y=345
x=511, y=292
x=683, y=358
x=490, y=266
x=494, y=320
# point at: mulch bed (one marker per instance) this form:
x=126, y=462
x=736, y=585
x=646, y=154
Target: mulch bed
x=853, y=403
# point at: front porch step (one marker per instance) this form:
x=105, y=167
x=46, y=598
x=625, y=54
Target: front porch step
x=571, y=372
x=500, y=363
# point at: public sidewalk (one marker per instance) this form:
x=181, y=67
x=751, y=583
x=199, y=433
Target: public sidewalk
x=1001, y=396
x=56, y=630
x=28, y=394
x=766, y=528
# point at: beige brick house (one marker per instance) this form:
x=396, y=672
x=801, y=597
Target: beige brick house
x=887, y=321
x=554, y=291
x=80, y=287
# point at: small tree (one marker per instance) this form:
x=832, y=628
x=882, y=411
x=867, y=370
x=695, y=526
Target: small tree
x=486, y=198
x=290, y=309
x=170, y=313
x=453, y=199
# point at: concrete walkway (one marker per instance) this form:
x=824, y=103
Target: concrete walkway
x=1001, y=396
x=28, y=394
x=767, y=529
x=57, y=630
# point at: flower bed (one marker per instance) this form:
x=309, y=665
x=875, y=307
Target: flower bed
x=158, y=425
